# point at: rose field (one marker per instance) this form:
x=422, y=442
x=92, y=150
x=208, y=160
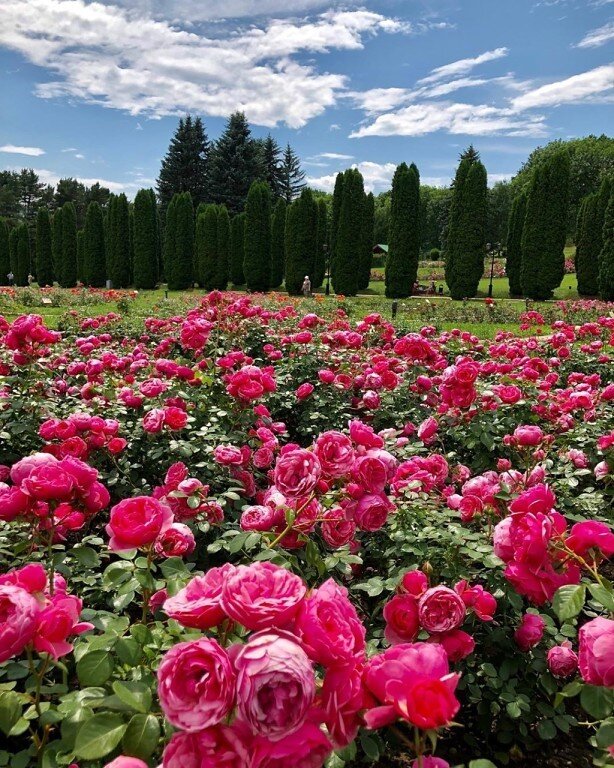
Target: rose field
x=249, y=531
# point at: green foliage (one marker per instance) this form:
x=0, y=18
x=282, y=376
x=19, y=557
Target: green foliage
x=22, y=255
x=606, y=257
x=367, y=242
x=291, y=177
x=118, y=241
x=185, y=168
x=222, y=261
x=206, y=246
x=56, y=242
x=5, y=254
x=404, y=240
x=44, y=253
x=234, y=164
x=435, y=206
x=514, y=240
x=349, y=235
x=335, y=213
x=589, y=239
x=67, y=273
x=466, y=237
x=80, y=254
x=499, y=210
x=272, y=167
x=319, y=267
x=543, y=236
x=170, y=228
x=145, y=268
x=300, y=241
x=237, y=249
x=13, y=238
x=257, y=259
x=278, y=250
x=179, y=266
x=94, y=257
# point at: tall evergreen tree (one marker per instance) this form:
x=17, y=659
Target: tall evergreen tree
x=56, y=242
x=94, y=257
x=145, y=267
x=206, y=246
x=544, y=233
x=404, y=239
x=44, y=255
x=13, y=241
x=185, y=167
x=466, y=241
x=271, y=166
x=257, y=261
x=589, y=239
x=170, y=228
x=348, y=240
x=67, y=273
x=237, y=249
x=5, y=255
x=80, y=254
x=514, y=240
x=118, y=241
x=278, y=246
x=292, y=178
x=366, y=248
x=301, y=241
x=606, y=257
x=234, y=164
x=22, y=260
x=319, y=267
x=222, y=264
x=334, y=222
x=180, y=272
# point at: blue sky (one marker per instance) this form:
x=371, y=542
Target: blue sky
x=93, y=90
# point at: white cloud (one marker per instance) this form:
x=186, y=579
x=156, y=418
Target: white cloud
x=595, y=84
x=462, y=66
x=335, y=156
x=69, y=149
x=11, y=149
x=111, y=56
x=334, y=127
x=206, y=10
x=597, y=37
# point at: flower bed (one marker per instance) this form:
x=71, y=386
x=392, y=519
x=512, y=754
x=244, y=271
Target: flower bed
x=240, y=535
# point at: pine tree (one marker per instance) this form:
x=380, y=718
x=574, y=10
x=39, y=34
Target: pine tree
x=5, y=256
x=543, y=237
x=466, y=241
x=292, y=178
x=319, y=267
x=94, y=257
x=271, y=166
x=185, y=167
x=118, y=241
x=67, y=274
x=589, y=239
x=334, y=223
x=56, y=242
x=348, y=240
x=179, y=268
x=366, y=249
x=44, y=255
x=80, y=254
x=234, y=164
x=606, y=257
x=257, y=261
x=22, y=260
x=222, y=263
x=301, y=241
x=278, y=248
x=514, y=240
x=404, y=240
x=13, y=241
x=131, y=243
x=237, y=249
x=145, y=267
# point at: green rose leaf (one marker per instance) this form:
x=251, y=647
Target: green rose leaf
x=99, y=735
x=10, y=711
x=568, y=601
x=142, y=736
x=95, y=668
x=597, y=701
x=134, y=694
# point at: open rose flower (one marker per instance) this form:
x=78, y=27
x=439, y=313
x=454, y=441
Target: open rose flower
x=335, y=453
x=218, y=747
x=401, y=617
x=596, y=655
x=137, y=523
x=306, y=748
x=198, y=604
x=297, y=473
x=19, y=612
x=440, y=609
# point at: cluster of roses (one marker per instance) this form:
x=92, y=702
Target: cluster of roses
x=28, y=338
x=80, y=434
x=250, y=383
x=173, y=417
x=187, y=497
x=438, y=611
x=36, y=614
x=457, y=387
x=263, y=703
x=541, y=555
x=55, y=496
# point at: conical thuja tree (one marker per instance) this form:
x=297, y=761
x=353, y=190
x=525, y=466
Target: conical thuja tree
x=67, y=273
x=544, y=233
x=56, y=243
x=366, y=248
x=606, y=257
x=145, y=267
x=301, y=241
x=80, y=254
x=237, y=249
x=23, y=255
x=589, y=239
x=44, y=254
x=319, y=266
x=404, y=239
x=278, y=249
x=180, y=266
x=94, y=256
x=13, y=240
x=206, y=246
x=348, y=236
x=118, y=241
x=5, y=255
x=334, y=220
x=257, y=261
x=223, y=249
x=514, y=240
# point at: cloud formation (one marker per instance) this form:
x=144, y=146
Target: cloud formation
x=12, y=149
x=597, y=37
x=596, y=84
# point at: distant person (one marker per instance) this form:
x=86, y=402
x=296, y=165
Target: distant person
x=440, y=290
x=306, y=287
x=416, y=288
x=11, y=278
x=30, y=279
x=432, y=289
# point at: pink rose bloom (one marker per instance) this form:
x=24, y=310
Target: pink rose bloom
x=343, y=698
x=263, y=457
x=328, y=626
x=275, y=684
x=540, y=584
x=431, y=762
x=528, y=436
x=374, y=470
x=578, y=458
x=175, y=418
x=176, y=541
x=48, y=483
x=415, y=582
x=19, y=611
x=196, y=684
x=23, y=467
x=261, y=518
x=371, y=512
x=198, y=604
x=262, y=595
x=530, y=631
x=562, y=661
x=363, y=434
x=218, y=747
x=56, y=622
x=306, y=748
x=440, y=609
x=591, y=534
x=153, y=421
x=304, y=390
x=596, y=654
x=401, y=617
x=13, y=503
x=601, y=470
x=335, y=453
x=126, y=762
x=456, y=643
x=502, y=543
x=228, y=455
x=336, y=529
x=538, y=498
x=411, y=681
x=297, y=473
x=137, y=522
x=427, y=430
